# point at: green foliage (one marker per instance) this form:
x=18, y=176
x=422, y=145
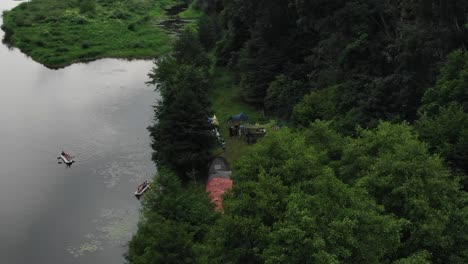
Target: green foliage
x=209, y=30
x=87, y=6
x=188, y=50
x=380, y=56
x=398, y=171
x=447, y=134
x=451, y=85
x=418, y=258
x=315, y=196
x=282, y=94
x=287, y=206
x=443, y=121
x=192, y=12
x=182, y=136
x=52, y=31
x=316, y=105
x=174, y=221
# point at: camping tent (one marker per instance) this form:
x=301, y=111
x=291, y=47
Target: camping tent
x=237, y=119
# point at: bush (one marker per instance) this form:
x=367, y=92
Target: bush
x=120, y=14
x=39, y=43
x=283, y=93
x=39, y=17
x=87, y=6
x=23, y=6
x=22, y=21
x=85, y=45
x=45, y=34
x=132, y=27
x=8, y=32
x=80, y=20
x=62, y=49
x=137, y=45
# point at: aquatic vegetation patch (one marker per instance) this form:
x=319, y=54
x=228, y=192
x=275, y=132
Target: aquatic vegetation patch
x=119, y=225
x=114, y=228
x=92, y=245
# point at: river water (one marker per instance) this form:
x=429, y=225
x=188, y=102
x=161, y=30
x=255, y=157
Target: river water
x=97, y=111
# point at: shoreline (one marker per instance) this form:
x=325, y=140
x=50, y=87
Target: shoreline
x=57, y=45
x=88, y=60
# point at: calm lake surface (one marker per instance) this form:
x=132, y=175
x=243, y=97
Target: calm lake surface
x=98, y=112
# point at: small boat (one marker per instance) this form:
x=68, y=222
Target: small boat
x=67, y=158
x=142, y=189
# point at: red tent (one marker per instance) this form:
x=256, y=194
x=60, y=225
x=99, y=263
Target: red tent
x=216, y=187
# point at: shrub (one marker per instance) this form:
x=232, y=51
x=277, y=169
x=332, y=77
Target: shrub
x=62, y=49
x=39, y=17
x=86, y=45
x=137, y=45
x=22, y=21
x=23, y=6
x=8, y=32
x=39, y=43
x=87, y=6
x=132, y=27
x=45, y=33
x=120, y=14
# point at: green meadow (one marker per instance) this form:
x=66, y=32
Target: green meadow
x=58, y=33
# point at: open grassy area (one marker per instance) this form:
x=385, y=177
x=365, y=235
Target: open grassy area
x=227, y=102
x=57, y=33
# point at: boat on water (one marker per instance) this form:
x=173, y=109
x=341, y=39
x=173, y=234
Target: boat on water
x=142, y=188
x=67, y=158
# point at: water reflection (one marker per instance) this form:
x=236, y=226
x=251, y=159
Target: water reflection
x=99, y=111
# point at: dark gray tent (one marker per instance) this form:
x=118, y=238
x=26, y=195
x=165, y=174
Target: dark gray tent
x=238, y=118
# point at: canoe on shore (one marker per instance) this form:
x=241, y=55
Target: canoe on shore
x=142, y=189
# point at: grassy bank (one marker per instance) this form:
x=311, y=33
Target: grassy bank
x=192, y=12
x=57, y=33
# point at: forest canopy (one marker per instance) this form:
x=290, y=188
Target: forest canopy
x=370, y=166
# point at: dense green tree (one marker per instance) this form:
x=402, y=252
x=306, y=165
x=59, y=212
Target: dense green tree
x=182, y=137
x=175, y=219
x=447, y=134
x=283, y=93
x=397, y=170
x=209, y=30
x=287, y=206
x=451, y=85
x=316, y=196
x=443, y=121
x=381, y=54
x=316, y=105
x=87, y=6
x=188, y=50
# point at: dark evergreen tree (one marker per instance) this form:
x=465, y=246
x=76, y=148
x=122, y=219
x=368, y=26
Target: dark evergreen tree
x=182, y=137
x=188, y=50
x=382, y=54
